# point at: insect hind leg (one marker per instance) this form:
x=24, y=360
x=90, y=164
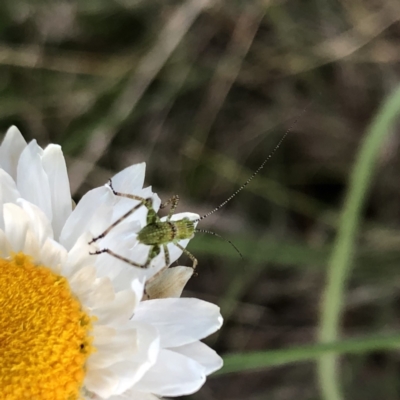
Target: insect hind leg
x=154, y=251
x=167, y=262
x=189, y=254
x=119, y=257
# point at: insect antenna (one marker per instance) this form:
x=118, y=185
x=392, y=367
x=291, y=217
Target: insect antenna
x=255, y=172
x=216, y=234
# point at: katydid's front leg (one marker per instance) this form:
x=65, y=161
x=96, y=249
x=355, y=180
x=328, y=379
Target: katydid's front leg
x=174, y=200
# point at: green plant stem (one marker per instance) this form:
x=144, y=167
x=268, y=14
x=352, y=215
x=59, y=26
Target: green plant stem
x=341, y=257
x=263, y=359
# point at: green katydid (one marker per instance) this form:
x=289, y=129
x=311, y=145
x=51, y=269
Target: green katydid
x=158, y=234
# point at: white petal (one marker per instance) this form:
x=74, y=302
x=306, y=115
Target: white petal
x=203, y=354
x=180, y=321
x=97, y=294
x=120, y=272
x=10, y=151
x=122, y=375
x=53, y=255
x=132, y=394
x=38, y=221
x=130, y=179
x=103, y=382
x=5, y=246
x=8, y=189
x=16, y=224
x=119, y=348
x=32, y=246
x=32, y=180
x=8, y=192
x=138, y=345
x=155, y=197
x=117, y=311
x=127, y=278
x=54, y=165
x=102, y=292
x=82, y=281
x=168, y=283
x=102, y=334
x=188, y=215
x=81, y=219
x=78, y=256
x=172, y=375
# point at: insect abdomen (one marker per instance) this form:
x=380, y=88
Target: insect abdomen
x=164, y=232
x=184, y=229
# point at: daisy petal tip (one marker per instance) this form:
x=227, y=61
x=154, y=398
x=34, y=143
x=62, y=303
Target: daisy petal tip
x=13, y=132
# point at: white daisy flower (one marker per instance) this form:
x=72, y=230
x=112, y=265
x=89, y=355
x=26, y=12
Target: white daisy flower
x=72, y=325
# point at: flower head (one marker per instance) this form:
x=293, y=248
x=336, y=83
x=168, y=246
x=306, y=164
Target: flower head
x=73, y=325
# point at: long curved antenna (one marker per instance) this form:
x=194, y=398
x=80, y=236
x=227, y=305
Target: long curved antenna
x=216, y=234
x=256, y=172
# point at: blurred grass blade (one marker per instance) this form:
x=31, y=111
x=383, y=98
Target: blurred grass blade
x=341, y=258
x=137, y=83
x=264, y=359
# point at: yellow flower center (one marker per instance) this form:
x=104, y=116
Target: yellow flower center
x=44, y=334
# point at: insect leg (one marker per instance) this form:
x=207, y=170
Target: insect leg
x=148, y=203
x=154, y=252
x=167, y=261
x=127, y=195
x=174, y=200
x=156, y=275
x=119, y=220
x=108, y=251
x=167, y=258
x=189, y=254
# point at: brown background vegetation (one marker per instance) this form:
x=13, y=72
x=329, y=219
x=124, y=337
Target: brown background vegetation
x=202, y=91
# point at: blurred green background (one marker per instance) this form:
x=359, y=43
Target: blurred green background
x=202, y=91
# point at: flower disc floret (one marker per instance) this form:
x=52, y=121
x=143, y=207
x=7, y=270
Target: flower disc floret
x=44, y=333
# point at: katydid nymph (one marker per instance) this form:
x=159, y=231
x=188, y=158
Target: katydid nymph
x=159, y=233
